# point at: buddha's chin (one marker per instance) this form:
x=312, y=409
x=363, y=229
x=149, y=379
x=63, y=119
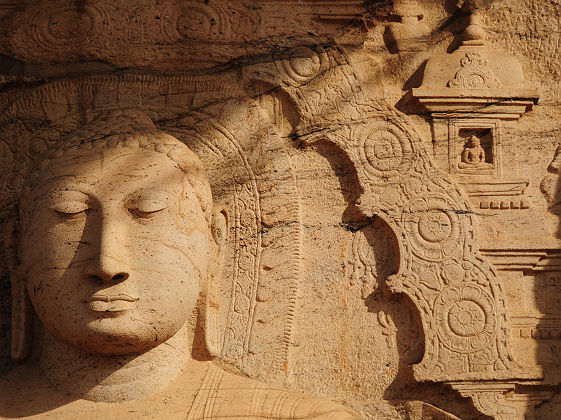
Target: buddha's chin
x=115, y=336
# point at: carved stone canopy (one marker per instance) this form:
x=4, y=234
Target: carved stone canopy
x=476, y=79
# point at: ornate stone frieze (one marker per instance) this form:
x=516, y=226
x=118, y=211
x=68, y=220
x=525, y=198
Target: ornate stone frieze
x=458, y=294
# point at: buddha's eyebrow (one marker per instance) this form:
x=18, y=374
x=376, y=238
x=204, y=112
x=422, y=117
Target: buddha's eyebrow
x=50, y=197
x=68, y=193
x=149, y=193
x=133, y=175
x=65, y=183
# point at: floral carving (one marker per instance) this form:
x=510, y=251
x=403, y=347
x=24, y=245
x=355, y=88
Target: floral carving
x=435, y=229
x=491, y=400
x=474, y=73
x=466, y=318
x=64, y=28
x=362, y=266
x=385, y=151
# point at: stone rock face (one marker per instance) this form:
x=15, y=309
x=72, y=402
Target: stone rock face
x=280, y=209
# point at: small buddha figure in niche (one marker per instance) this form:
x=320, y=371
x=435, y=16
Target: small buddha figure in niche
x=473, y=155
x=120, y=257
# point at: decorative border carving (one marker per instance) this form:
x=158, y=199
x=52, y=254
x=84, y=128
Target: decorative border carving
x=441, y=269
x=491, y=400
x=474, y=73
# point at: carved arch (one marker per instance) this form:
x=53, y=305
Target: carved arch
x=458, y=294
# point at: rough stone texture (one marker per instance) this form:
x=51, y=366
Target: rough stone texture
x=390, y=173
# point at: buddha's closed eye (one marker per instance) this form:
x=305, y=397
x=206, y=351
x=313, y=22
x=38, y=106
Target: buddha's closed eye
x=70, y=209
x=143, y=214
x=147, y=208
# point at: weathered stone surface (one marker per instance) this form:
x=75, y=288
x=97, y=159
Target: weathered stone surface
x=357, y=201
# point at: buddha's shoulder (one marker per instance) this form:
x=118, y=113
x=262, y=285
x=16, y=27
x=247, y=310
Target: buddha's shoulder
x=248, y=398
x=216, y=394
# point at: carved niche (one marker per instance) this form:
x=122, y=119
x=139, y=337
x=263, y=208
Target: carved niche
x=477, y=94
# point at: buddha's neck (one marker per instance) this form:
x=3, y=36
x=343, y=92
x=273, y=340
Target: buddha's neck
x=115, y=378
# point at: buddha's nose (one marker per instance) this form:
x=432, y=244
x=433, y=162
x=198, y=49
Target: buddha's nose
x=106, y=275
x=109, y=262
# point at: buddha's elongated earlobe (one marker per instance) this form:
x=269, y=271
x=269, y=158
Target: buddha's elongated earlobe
x=212, y=287
x=22, y=318
x=212, y=327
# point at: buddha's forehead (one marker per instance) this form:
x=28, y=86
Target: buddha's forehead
x=109, y=168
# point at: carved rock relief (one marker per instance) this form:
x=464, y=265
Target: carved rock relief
x=458, y=295
x=440, y=269
x=191, y=34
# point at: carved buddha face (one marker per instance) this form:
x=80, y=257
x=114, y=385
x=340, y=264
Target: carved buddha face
x=115, y=248
x=474, y=141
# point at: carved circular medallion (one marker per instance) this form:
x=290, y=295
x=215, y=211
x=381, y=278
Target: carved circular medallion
x=305, y=66
x=302, y=65
x=435, y=226
x=64, y=28
x=475, y=81
x=383, y=151
x=477, y=78
x=203, y=22
x=435, y=231
x=386, y=152
x=466, y=318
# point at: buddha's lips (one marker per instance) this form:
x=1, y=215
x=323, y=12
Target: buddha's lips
x=110, y=298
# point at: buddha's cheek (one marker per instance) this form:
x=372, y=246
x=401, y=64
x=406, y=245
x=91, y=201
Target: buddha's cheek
x=49, y=240
x=53, y=275
x=168, y=278
x=57, y=301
